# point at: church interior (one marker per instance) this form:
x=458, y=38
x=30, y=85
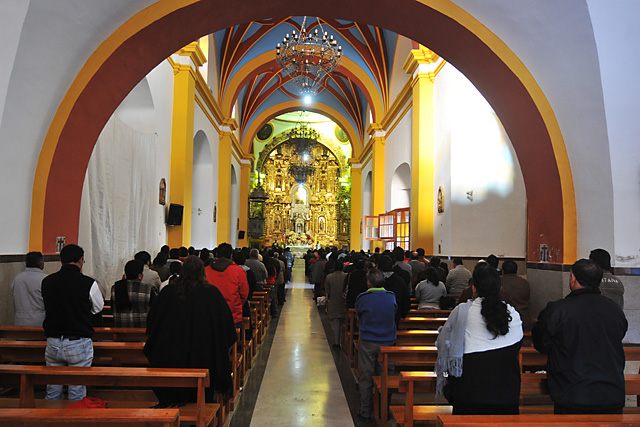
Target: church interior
x=465, y=128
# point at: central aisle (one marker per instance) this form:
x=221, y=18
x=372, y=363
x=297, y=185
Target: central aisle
x=301, y=386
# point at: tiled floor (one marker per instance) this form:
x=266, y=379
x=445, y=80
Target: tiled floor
x=301, y=386
x=297, y=379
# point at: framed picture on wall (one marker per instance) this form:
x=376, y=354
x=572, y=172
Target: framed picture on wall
x=162, y=198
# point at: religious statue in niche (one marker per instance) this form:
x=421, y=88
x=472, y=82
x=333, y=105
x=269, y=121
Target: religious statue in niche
x=277, y=224
x=321, y=224
x=162, y=199
x=440, y=200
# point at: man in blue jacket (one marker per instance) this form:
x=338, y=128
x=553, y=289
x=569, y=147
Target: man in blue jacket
x=376, y=310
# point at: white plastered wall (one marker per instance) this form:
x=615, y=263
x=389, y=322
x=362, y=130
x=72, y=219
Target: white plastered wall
x=205, y=188
x=397, y=150
x=617, y=40
x=120, y=213
x=485, y=199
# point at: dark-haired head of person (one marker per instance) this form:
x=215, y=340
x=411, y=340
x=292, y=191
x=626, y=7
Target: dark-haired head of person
x=492, y=260
x=34, y=260
x=174, y=253
x=432, y=276
x=398, y=253
x=585, y=273
x=191, y=275
x=385, y=263
x=602, y=258
x=339, y=265
x=175, y=268
x=160, y=260
x=486, y=284
x=434, y=262
x=191, y=250
x=420, y=252
x=375, y=278
x=225, y=250
x=457, y=262
x=143, y=256
x=133, y=270
x=239, y=257
x=165, y=250
x=204, y=255
x=358, y=262
x=184, y=252
x=71, y=254
x=509, y=267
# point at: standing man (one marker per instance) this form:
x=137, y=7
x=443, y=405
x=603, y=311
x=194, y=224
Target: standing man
x=610, y=286
x=290, y=260
x=149, y=276
x=582, y=334
x=258, y=269
x=334, y=288
x=70, y=299
x=457, y=279
x=27, y=293
x=376, y=310
x=517, y=292
x=231, y=280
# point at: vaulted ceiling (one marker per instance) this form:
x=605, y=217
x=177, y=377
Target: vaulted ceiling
x=247, y=74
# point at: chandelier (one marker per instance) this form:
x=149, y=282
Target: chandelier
x=308, y=57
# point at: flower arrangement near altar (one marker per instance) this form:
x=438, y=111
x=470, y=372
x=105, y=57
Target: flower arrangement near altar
x=292, y=238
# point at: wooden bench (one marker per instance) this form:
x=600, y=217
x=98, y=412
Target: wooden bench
x=36, y=333
x=532, y=386
x=428, y=313
x=532, y=360
x=416, y=337
x=104, y=353
x=430, y=323
x=26, y=377
x=99, y=417
x=403, y=356
x=537, y=420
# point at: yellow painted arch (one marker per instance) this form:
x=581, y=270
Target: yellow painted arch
x=162, y=8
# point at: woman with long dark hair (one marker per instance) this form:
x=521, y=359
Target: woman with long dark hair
x=190, y=326
x=429, y=289
x=478, y=350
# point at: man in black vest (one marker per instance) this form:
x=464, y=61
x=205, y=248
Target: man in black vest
x=70, y=299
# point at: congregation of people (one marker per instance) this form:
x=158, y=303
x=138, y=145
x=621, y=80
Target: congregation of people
x=191, y=302
x=478, y=367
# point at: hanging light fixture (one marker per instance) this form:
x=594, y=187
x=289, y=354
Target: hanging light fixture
x=308, y=57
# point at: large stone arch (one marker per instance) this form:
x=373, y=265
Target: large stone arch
x=161, y=29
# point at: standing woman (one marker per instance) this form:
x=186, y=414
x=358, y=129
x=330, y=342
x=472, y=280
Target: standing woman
x=429, y=290
x=478, y=349
x=190, y=326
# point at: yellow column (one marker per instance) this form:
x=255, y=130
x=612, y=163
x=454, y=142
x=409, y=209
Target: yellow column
x=245, y=173
x=224, y=185
x=423, y=65
x=378, y=139
x=181, y=175
x=356, y=207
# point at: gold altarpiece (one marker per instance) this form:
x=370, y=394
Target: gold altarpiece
x=304, y=202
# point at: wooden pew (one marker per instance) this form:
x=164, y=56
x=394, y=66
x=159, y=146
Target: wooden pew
x=532, y=386
x=26, y=377
x=430, y=323
x=36, y=333
x=428, y=313
x=532, y=360
x=416, y=337
x=99, y=417
x=537, y=420
x=104, y=352
x=402, y=356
